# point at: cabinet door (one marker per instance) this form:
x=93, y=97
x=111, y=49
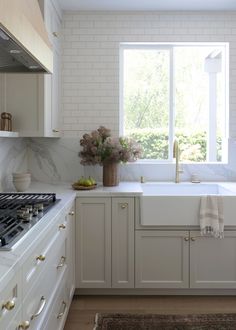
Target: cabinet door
x=213, y=261
x=162, y=259
x=122, y=242
x=93, y=242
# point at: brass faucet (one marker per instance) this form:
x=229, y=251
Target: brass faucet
x=176, y=155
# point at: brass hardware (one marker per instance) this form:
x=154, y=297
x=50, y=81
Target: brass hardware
x=63, y=312
x=9, y=305
x=41, y=307
x=123, y=206
x=41, y=257
x=24, y=325
x=193, y=239
x=55, y=130
x=55, y=34
x=62, y=226
x=142, y=180
x=62, y=262
x=72, y=213
x=186, y=239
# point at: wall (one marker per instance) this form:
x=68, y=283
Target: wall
x=90, y=84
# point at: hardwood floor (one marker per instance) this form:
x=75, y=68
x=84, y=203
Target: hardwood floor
x=84, y=308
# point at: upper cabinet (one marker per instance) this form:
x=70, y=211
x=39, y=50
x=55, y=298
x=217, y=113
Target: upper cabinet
x=34, y=99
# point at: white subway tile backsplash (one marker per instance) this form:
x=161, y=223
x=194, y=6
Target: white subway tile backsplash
x=90, y=75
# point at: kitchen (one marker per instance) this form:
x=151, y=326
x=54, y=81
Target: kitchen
x=86, y=48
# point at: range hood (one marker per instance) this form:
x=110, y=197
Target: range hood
x=24, y=43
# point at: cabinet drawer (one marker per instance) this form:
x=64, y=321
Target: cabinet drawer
x=60, y=309
x=10, y=299
x=37, y=302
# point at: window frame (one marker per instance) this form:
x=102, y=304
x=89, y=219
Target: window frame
x=170, y=46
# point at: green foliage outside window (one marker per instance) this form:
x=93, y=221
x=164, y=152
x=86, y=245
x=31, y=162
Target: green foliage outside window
x=192, y=146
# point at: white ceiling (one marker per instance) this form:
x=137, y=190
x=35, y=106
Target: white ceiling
x=148, y=4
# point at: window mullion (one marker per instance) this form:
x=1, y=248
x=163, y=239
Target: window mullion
x=171, y=105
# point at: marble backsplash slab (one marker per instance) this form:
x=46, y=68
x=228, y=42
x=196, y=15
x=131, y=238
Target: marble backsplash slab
x=56, y=160
x=13, y=158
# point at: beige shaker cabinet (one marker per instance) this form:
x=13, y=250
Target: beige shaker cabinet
x=93, y=242
x=213, y=261
x=162, y=259
x=105, y=242
x=34, y=99
x=123, y=242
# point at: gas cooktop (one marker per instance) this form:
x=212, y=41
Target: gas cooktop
x=19, y=212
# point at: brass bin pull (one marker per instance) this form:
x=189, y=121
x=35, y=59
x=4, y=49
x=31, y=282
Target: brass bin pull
x=123, y=206
x=62, y=262
x=9, y=305
x=186, y=239
x=62, y=226
x=24, y=325
x=41, y=308
x=63, y=312
x=193, y=239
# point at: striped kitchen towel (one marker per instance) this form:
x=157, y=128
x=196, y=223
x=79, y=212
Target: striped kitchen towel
x=211, y=216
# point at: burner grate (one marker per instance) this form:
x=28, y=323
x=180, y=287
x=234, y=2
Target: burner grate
x=19, y=212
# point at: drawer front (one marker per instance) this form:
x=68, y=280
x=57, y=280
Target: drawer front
x=60, y=309
x=10, y=300
x=39, y=259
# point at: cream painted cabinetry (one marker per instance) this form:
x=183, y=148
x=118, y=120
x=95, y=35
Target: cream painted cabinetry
x=34, y=99
x=105, y=242
x=184, y=259
x=162, y=259
x=39, y=295
x=213, y=261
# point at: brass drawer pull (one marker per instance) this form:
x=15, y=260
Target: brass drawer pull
x=9, y=305
x=55, y=130
x=41, y=308
x=193, y=239
x=24, y=325
x=62, y=262
x=123, y=206
x=72, y=213
x=63, y=312
x=41, y=257
x=62, y=226
x=186, y=239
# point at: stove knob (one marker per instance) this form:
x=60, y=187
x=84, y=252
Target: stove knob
x=30, y=207
x=35, y=212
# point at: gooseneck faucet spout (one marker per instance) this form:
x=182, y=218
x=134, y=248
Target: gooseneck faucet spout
x=176, y=155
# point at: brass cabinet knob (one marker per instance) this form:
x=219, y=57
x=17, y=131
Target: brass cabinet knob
x=193, y=239
x=123, y=206
x=55, y=130
x=41, y=257
x=24, y=325
x=62, y=226
x=9, y=305
x=72, y=213
x=186, y=239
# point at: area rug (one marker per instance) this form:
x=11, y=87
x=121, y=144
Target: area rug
x=116, y=321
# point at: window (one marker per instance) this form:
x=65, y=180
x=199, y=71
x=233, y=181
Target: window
x=176, y=91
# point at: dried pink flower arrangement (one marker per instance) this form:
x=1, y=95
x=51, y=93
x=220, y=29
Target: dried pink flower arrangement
x=99, y=147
